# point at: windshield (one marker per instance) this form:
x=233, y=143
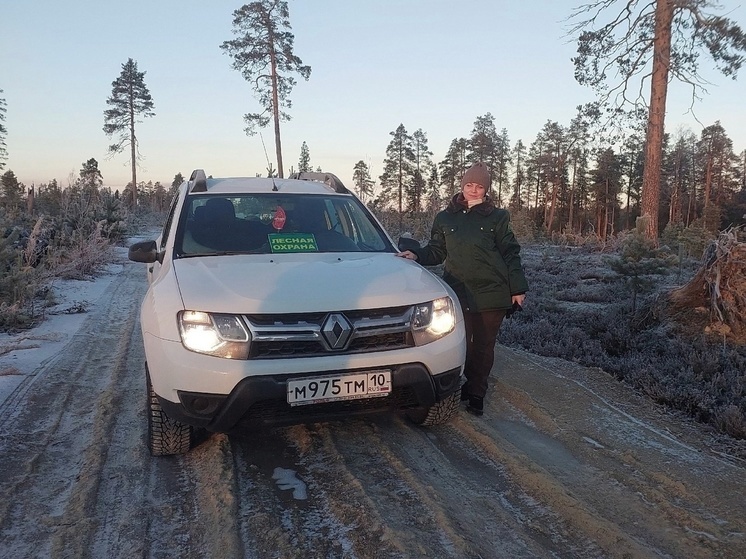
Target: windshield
x=277, y=223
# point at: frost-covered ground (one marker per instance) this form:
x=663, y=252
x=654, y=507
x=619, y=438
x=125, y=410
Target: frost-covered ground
x=566, y=462
x=22, y=353
x=579, y=309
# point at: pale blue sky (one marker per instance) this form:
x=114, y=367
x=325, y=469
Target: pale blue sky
x=429, y=64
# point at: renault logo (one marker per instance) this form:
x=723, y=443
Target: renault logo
x=336, y=331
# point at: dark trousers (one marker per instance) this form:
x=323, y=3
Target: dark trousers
x=481, y=334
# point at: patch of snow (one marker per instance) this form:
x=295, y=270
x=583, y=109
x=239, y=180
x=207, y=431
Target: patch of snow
x=593, y=443
x=286, y=479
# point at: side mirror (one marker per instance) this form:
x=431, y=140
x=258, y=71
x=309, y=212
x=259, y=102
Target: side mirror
x=408, y=243
x=144, y=251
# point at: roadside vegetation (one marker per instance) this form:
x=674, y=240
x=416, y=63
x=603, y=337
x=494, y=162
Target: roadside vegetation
x=48, y=232
x=602, y=306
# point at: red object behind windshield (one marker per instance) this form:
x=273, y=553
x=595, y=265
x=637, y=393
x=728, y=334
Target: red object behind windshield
x=278, y=222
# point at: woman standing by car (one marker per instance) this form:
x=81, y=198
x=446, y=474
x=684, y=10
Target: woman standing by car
x=483, y=266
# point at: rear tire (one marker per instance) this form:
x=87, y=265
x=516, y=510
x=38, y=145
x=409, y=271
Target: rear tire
x=439, y=413
x=166, y=436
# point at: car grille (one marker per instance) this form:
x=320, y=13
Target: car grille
x=285, y=336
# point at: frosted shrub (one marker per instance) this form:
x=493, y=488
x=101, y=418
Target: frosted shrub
x=578, y=311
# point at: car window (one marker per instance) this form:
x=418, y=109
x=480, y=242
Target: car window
x=277, y=223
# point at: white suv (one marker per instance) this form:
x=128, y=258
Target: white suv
x=280, y=301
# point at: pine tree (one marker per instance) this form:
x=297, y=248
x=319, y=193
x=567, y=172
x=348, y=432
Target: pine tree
x=362, y=180
x=3, y=133
x=482, y=142
x=90, y=181
x=417, y=187
x=633, y=149
x=638, y=260
x=90, y=175
x=398, y=169
x=453, y=166
x=49, y=198
x=536, y=172
x=718, y=165
x=606, y=185
x=263, y=53
x=501, y=161
x=483, y=146
x=656, y=40
x=578, y=136
x=555, y=138
x=433, y=201
x=581, y=191
x=677, y=176
x=12, y=192
x=129, y=99
x=518, y=157
x=304, y=163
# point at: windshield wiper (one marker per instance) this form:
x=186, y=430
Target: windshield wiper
x=215, y=253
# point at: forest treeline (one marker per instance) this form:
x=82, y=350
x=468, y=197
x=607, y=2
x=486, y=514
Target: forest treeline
x=565, y=185
x=562, y=187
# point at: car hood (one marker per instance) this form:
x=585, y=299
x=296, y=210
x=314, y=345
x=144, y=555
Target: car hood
x=303, y=282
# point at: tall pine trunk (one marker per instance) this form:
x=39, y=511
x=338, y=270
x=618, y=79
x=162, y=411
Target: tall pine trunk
x=133, y=149
x=276, y=116
x=708, y=178
x=656, y=119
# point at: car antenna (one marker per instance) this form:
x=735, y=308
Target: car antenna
x=269, y=165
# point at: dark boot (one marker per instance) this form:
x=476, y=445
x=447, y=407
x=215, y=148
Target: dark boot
x=475, y=405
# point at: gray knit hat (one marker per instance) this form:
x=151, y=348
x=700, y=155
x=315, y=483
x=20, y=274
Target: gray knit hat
x=478, y=173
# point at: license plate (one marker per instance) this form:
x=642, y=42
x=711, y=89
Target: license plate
x=331, y=388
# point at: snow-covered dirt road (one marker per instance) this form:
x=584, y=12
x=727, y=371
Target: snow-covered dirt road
x=565, y=463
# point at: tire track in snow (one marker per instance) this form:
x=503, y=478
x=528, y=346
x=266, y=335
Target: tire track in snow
x=469, y=504
x=67, y=417
x=624, y=469
x=328, y=523
x=114, y=329
x=568, y=523
x=411, y=509
x=214, y=523
x=368, y=532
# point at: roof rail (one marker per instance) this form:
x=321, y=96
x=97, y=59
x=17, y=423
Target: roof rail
x=198, y=181
x=327, y=178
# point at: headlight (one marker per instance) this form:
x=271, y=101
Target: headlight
x=221, y=335
x=431, y=321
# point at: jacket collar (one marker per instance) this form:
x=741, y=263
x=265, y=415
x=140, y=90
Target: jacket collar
x=458, y=204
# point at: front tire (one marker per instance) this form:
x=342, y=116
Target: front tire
x=166, y=436
x=439, y=413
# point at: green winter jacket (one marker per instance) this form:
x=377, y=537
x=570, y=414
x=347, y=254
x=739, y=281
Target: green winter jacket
x=481, y=254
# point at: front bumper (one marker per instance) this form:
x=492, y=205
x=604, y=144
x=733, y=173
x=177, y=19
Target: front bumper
x=259, y=401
